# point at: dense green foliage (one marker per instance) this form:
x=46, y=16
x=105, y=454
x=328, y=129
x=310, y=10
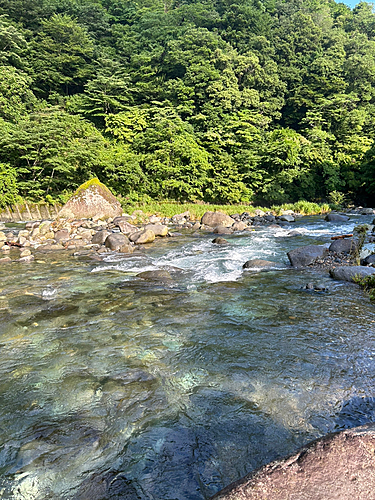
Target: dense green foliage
x=226, y=101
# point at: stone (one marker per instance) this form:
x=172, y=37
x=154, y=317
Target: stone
x=270, y=218
x=214, y=219
x=158, y=229
x=303, y=256
x=367, y=211
x=339, y=466
x=142, y=237
x=345, y=245
x=180, y=217
x=239, y=226
x=286, y=218
x=49, y=247
x=292, y=234
x=5, y=260
x=223, y=230
x=91, y=200
x=26, y=259
x=220, y=241
x=45, y=227
x=115, y=241
x=369, y=260
x=336, y=218
x=62, y=235
x=146, y=236
x=127, y=248
x=261, y=264
x=3, y=236
x=100, y=237
x=158, y=275
x=259, y=212
x=349, y=273
x=25, y=252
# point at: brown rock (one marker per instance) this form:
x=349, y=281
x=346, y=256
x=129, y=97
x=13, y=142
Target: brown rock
x=261, y=264
x=115, y=241
x=158, y=229
x=142, y=237
x=100, y=237
x=91, y=200
x=239, y=226
x=338, y=466
x=62, y=235
x=214, y=219
x=220, y=241
x=223, y=230
x=5, y=260
x=126, y=249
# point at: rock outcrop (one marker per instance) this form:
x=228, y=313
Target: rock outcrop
x=339, y=466
x=91, y=200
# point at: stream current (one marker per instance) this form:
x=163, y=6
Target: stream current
x=113, y=387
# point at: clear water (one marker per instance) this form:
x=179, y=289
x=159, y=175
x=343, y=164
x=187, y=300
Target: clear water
x=116, y=387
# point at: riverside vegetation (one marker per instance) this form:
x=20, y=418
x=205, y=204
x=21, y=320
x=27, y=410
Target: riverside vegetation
x=220, y=101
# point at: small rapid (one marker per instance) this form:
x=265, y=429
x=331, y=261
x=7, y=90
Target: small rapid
x=113, y=386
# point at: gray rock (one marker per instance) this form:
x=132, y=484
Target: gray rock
x=142, y=237
x=262, y=264
x=239, y=226
x=338, y=466
x=5, y=260
x=223, y=230
x=100, y=237
x=220, y=241
x=286, y=218
x=336, y=218
x=292, y=234
x=303, y=256
x=270, y=218
x=367, y=211
x=369, y=260
x=125, y=227
x=61, y=235
x=214, y=219
x=348, y=273
x=115, y=241
x=345, y=246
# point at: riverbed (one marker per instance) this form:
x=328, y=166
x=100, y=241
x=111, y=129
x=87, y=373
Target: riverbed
x=116, y=387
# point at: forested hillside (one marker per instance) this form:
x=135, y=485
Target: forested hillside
x=263, y=101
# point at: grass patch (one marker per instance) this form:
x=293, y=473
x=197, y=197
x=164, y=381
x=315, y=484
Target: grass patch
x=368, y=284
x=170, y=208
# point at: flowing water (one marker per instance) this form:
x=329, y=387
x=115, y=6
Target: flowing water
x=116, y=387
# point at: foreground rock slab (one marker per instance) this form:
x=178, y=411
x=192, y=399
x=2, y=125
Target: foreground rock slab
x=348, y=273
x=339, y=466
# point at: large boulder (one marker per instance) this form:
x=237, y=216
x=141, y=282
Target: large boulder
x=115, y=241
x=214, y=219
x=349, y=273
x=346, y=246
x=303, y=256
x=142, y=237
x=91, y=200
x=336, y=218
x=100, y=237
x=339, y=466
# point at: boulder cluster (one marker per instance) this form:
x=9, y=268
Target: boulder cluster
x=125, y=233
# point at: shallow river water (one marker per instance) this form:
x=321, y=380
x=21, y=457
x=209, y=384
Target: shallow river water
x=113, y=387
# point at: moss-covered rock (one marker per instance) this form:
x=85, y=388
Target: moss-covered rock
x=91, y=200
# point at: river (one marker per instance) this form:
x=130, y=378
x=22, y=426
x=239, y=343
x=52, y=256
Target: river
x=113, y=387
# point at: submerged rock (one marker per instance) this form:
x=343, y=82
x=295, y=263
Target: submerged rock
x=223, y=230
x=339, y=466
x=157, y=275
x=220, y=241
x=303, y=256
x=348, y=273
x=260, y=263
x=91, y=200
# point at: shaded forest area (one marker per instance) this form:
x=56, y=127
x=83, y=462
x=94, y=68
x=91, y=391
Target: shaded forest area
x=222, y=101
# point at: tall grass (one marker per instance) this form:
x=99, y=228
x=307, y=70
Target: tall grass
x=170, y=208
